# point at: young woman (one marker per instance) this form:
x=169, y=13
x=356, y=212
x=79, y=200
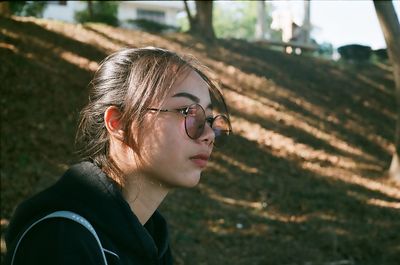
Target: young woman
x=149, y=127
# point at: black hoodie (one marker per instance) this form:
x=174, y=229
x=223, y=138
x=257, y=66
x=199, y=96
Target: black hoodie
x=86, y=190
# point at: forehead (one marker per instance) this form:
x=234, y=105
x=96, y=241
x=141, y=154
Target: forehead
x=191, y=84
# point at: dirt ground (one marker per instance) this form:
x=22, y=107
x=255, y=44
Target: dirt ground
x=300, y=181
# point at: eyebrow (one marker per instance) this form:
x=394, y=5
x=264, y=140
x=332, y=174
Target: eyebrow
x=191, y=97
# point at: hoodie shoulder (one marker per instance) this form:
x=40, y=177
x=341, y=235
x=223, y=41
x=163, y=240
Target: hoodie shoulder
x=57, y=241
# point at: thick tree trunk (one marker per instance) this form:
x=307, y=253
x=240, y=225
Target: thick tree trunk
x=391, y=31
x=201, y=22
x=204, y=18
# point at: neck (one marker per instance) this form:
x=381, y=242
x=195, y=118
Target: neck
x=142, y=191
x=144, y=196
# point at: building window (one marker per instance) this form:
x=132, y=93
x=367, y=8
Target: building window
x=156, y=16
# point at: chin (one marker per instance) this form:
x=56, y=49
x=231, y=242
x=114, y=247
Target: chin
x=190, y=180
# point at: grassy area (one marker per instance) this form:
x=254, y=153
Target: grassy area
x=300, y=182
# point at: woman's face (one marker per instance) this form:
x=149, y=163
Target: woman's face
x=170, y=156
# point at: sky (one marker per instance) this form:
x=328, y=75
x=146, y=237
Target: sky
x=341, y=22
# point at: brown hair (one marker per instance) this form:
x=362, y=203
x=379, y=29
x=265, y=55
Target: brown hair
x=133, y=80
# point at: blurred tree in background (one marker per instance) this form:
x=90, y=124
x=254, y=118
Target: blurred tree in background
x=233, y=20
x=201, y=22
x=391, y=31
x=238, y=21
x=99, y=11
x=325, y=50
x=27, y=8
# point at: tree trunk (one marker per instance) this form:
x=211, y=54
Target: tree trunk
x=90, y=9
x=204, y=18
x=192, y=22
x=201, y=23
x=260, y=26
x=391, y=31
x=306, y=22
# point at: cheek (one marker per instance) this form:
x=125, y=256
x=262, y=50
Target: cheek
x=168, y=149
x=166, y=140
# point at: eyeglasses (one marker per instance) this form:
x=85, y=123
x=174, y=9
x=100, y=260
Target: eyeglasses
x=195, y=121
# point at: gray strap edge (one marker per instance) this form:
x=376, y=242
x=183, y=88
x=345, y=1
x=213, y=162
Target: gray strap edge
x=68, y=215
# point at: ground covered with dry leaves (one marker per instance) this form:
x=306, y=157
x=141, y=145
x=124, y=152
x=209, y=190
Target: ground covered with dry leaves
x=301, y=181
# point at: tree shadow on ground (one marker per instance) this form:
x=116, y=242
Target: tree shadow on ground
x=42, y=94
x=311, y=81
x=253, y=206
x=317, y=90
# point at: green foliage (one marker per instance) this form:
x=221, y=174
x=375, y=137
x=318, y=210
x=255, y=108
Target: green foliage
x=183, y=23
x=237, y=20
x=103, y=11
x=28, y=8
x=325, y=50
x=151, y=26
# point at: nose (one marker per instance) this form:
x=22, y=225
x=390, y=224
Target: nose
x=208, y=136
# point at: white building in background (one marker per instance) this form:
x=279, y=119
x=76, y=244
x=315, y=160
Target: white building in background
x=282, y=20
x=164, y=12
x=63, y=10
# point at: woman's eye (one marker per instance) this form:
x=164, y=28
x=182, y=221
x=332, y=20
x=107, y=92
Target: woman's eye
x=183, y=110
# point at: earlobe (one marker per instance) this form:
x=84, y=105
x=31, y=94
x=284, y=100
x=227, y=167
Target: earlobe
x=112, y=122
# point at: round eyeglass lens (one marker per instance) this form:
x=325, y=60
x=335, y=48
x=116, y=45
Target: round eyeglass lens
x=195, y=121
x=221, y=126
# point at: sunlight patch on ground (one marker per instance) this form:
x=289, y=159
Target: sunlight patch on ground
x=10, y=34
x=366, y=132
x=232, y=162
x=3, y=246
x=250, y=83
x=283, y=146
x=218, y=167
x=352, y=178
x=68, y=56
x=234, y=202
x=386, y=67
x=8, y=47
x=374, y=201
x=286, y=218
x=128, y=38
x=255, y=84
x=76, y=32
x=371, y=82
x=257, y=109
x=28, y=39
x=343, y=169
x=79, y=61
x=382, y=203
x=4, y=223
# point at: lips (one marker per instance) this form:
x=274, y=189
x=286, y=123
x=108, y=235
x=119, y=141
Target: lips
x=200, y=160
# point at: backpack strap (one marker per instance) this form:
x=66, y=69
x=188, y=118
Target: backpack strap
x=68, y=215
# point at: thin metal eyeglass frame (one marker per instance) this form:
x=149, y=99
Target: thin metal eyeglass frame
x=185, y=112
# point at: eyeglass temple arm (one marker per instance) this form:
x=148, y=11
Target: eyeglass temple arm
x=162, y=110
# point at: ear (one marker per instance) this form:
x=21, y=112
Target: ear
x=112, y=117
